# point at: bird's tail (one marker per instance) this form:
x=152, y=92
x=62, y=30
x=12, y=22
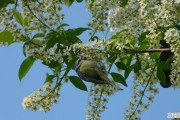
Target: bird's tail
x=117, y=87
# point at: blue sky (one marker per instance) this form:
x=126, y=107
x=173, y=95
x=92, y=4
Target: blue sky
x=72, y=103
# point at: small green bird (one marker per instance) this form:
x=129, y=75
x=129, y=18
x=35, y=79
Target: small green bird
x=93, y=71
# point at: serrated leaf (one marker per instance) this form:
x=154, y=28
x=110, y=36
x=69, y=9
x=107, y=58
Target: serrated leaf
x=18, y=17
x=78, y=83
x=6, y=36
x=25, y=67
x=49, y=78
x=118, y=78
x=121, y=65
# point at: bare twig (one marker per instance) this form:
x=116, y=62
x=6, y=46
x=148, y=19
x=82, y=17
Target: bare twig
x=147, y=50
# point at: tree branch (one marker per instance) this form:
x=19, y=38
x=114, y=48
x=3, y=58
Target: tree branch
x=147, y=50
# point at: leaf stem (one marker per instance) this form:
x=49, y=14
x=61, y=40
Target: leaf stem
x=144, y=90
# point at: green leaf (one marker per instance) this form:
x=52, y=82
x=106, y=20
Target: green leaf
x=68, y=3
x=121, y=65
x=64, y=24
x=25, y=67
x=6, y=36
x=76, y=31
x=53, y=38
x=137, y=66
x=70, y=65
x=118, y=78
x=112, y=57
x=154, y=55
x=18, y=17
x=129, y=60
x=49, y=78
x=78, y=83
x=38, y=35
x=123, y=3
x=79, y=1
x=143, y=36
x=52, y=64
x=144, y=45
x=161, y=76
x=164, y=65
x=128, y=71
x=4, y=3
x=117, y=34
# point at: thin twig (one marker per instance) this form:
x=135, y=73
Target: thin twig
x=99, y=99
x=39, y=19
x=92, y=35
x=144, y=90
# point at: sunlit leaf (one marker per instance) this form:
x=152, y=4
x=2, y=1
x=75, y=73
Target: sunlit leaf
x=18, y=17
x=6, y=36
x=25, y=67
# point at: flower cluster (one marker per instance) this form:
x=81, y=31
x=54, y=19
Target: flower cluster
x=99, y=11
x=97, y=100
x=98, y=48
x=172, y=36
x=141, y=16
x=48, y=55
x=43, y=99
x=144, y=88
x=30, y=17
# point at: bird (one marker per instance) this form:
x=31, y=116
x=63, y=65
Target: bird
x=94, y=71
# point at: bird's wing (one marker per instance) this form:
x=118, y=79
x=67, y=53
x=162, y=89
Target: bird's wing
x=89, y=68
